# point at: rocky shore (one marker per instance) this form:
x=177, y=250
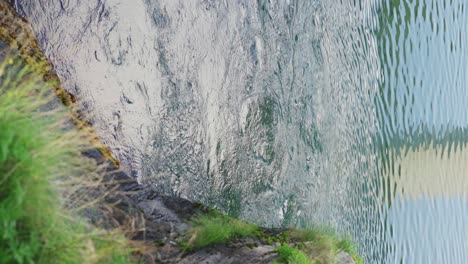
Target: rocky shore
x=164, y=222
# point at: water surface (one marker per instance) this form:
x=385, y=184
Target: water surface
x=345, y=113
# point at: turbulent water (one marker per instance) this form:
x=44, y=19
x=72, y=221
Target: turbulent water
x=290, y=112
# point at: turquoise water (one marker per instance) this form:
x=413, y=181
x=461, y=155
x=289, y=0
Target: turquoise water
x=285, y=113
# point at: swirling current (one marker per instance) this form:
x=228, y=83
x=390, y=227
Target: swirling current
x=345, y=113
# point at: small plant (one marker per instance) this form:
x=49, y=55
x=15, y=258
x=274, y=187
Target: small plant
x=290, y=255
x=346, y=245
x=324, y=244
x=215, y=228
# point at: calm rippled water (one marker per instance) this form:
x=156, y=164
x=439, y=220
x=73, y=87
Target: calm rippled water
x=291, y=112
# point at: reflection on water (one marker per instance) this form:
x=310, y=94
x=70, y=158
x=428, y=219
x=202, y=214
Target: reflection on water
x=423, y=131
x=291, y=112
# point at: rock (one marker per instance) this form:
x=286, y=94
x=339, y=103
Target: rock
x=344, y=258
x=223, y=254
x=156, y=211
x=167, y=220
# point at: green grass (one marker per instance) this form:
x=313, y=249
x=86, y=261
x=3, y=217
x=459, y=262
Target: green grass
x=291, y=255
x=323, y=244
x=40, y=166
x=215, y=228
x=349, y=247
x=298, y=246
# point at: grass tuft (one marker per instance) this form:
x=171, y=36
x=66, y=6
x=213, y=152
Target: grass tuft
x=291, y=255
x=39, y=158
x=323, y=244
x=215, y=228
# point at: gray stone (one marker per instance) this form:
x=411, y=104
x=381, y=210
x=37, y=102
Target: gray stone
x=224, y=254
x=344, y=258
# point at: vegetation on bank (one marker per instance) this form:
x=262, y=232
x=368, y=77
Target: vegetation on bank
x=322, y=245
x=215, y=228
x=291, y=255
x=42, y=171
x=296, y=246
x=319, y=245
